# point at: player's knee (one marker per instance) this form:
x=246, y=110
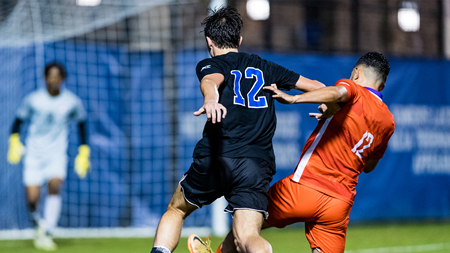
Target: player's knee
x=252, y=243
x=242, y=242
x=239, y=247
x=53, y=189
x=53, y=186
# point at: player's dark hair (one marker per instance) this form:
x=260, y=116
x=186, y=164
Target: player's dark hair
x=377, y=62
x=59, y=66
x=223, y=27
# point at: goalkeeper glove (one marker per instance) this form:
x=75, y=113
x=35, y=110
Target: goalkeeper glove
x=82, y=163
x=15, y=149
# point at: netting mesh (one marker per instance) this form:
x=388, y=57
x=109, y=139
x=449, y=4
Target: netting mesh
x=132, y=64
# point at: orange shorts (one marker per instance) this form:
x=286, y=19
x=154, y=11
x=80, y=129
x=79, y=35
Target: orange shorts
x=325, y=217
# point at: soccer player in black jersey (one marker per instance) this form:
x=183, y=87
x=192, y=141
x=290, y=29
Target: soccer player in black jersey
x=235, y=157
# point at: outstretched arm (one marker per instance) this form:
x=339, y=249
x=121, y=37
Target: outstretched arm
x=325, y=110
x=305, y=84
x=331, y=94
x=209, y=86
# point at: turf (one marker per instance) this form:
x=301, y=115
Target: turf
x=285, y=240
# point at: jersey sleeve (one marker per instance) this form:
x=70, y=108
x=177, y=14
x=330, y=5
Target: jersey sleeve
x=79, y=112
x=350, y=86
x=24, y=111
x=283, y=77
x=207, y=67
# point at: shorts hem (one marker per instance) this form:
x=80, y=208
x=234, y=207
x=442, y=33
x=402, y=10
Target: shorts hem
x=265, y=213
x=184, y=195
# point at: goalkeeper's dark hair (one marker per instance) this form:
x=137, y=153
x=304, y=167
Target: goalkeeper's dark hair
x=59, y=66
x=378, y=63
x=223, y=27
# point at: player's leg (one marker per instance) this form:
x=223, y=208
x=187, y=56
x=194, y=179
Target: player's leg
x=55, y=171
x=249, y=180
x=53, y=202
x=33, y=179
x=247, y=227
x=246, y=230
x=228, y=246
x=169, y=228
x=327, y=233
x=196, y=188
x=33, y=193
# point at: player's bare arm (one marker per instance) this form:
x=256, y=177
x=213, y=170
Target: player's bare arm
x=209, y=86
x=331, y=94
x=305, y=84
x=370, y=165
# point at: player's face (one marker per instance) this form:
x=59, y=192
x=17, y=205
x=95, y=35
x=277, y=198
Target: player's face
x=53, y=81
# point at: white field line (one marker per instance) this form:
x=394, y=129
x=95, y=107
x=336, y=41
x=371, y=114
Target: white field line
x=21, y=234
x=405, y=249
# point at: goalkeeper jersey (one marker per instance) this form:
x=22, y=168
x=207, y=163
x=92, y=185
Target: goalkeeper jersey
x=49, y=121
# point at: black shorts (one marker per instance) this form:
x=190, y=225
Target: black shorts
x=244, y=182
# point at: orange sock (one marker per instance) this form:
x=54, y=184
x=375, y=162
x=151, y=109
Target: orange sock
x=219, y=249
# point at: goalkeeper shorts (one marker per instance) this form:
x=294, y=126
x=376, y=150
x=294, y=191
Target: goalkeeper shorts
x=325, y=217
x=39, y=170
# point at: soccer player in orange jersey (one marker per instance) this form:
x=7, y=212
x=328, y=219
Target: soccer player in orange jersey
x=321, y=191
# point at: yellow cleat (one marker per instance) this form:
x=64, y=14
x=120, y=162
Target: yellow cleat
x=196, y=245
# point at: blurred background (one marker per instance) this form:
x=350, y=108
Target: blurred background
x=132, y=62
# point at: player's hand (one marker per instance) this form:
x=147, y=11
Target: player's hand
x=82, y=163
x=15, y=150
x=214, y=111
x=326, y=111
x=280, y=96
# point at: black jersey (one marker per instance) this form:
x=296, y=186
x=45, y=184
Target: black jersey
x=249, y=126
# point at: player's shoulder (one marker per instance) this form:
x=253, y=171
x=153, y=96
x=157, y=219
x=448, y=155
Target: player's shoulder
x=208, y=63
x=346, y=82
x=69, y=95
x=36, y=94
x=388, y=117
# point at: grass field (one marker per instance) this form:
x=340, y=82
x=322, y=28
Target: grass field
x=385, y=238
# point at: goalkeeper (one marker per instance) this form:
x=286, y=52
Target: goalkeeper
x=49, y=111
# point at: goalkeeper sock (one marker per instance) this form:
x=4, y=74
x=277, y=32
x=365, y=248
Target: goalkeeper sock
x=52, y=211
x=34, y=218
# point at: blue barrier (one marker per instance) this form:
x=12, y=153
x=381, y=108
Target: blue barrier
x=129, y=130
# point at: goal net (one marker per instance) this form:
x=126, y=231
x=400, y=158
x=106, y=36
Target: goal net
x=132, y=63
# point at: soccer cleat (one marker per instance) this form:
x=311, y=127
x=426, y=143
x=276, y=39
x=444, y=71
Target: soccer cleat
x=44, y=241
x=196, y=245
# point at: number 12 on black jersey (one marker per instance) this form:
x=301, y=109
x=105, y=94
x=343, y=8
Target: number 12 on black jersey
x=253, y=101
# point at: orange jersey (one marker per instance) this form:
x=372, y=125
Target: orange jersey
x=336, y=152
